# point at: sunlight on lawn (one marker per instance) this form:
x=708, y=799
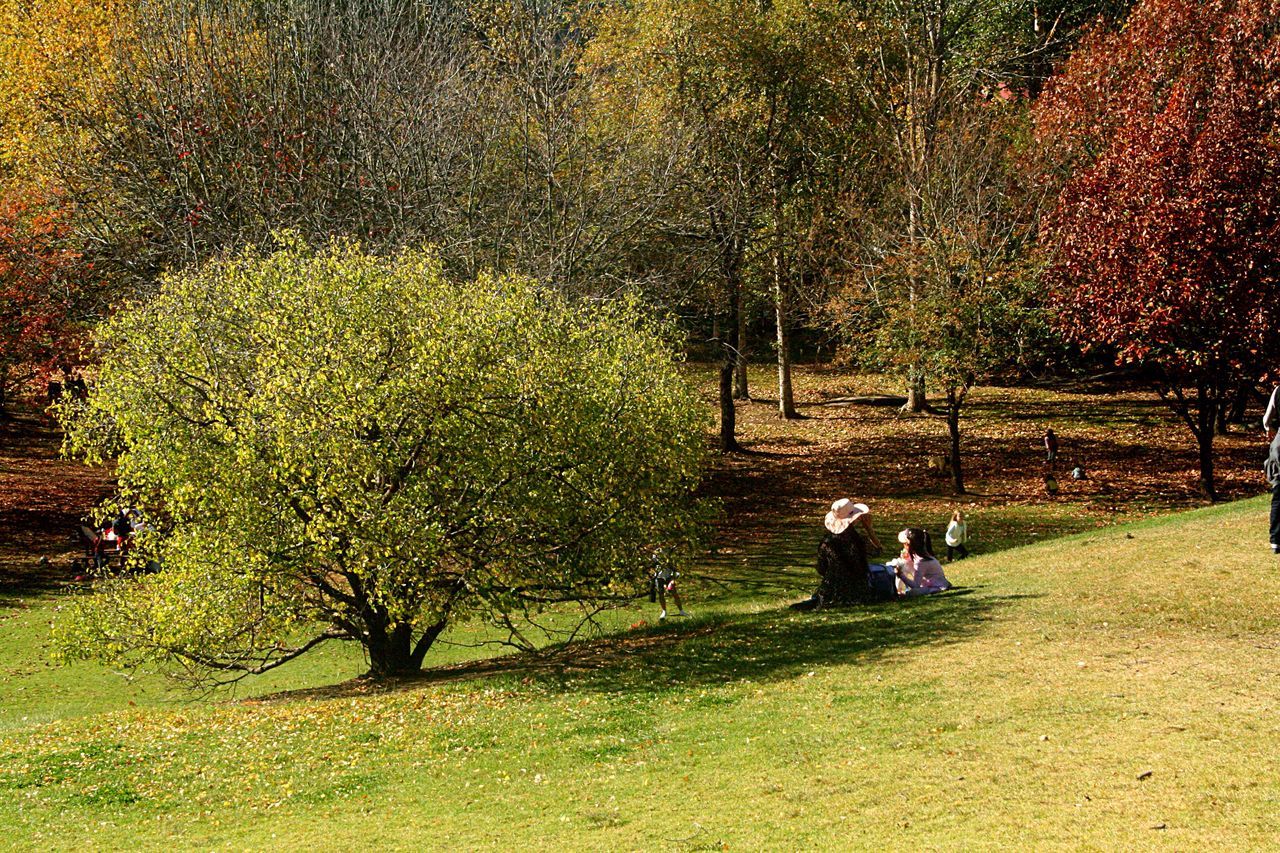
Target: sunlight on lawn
x=1087, y=685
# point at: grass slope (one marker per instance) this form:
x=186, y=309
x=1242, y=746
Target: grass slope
x=1111, y=689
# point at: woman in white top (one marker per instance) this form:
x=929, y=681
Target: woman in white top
x=957, y=535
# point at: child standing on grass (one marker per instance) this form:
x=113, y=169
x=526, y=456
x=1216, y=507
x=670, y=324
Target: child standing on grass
x=664, y=581
x=957, y=535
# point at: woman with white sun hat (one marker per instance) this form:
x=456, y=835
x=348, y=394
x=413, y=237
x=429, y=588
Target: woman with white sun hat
x=845, y=513
x=842, y=557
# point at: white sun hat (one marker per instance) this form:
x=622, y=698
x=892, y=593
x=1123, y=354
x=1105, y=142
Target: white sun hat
x=843, y=513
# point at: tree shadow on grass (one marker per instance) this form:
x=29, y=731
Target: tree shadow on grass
x=767, y=561
x=767, y=646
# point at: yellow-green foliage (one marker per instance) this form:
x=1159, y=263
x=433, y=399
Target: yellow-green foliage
x=341, y=439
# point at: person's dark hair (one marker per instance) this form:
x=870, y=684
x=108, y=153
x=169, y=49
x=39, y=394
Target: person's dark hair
x=918, y=542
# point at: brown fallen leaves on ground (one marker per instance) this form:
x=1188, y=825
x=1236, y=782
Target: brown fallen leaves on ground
x=1140, y=461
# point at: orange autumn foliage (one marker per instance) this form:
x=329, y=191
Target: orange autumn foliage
x=43, y=289
x=58, y=56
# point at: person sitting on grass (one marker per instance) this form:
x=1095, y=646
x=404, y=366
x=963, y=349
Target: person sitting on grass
x=918, y=571
x=842, y=558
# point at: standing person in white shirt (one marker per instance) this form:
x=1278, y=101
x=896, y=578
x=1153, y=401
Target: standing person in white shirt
x=1271, y=417
x=957, y=535
x=1271, y=426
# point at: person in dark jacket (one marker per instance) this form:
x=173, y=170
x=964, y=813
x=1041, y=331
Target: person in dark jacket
x=842, y=558
x=1271, y=426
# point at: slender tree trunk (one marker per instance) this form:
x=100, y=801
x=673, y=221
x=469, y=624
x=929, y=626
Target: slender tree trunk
x=1241, y=402
x=1222, y=410
x=1200, y=417
x=917, y=402
x=1205, y=442
x=786, y=397
x=740, y=389
x=1206, y=412
x=955, y=400
x=728, y=415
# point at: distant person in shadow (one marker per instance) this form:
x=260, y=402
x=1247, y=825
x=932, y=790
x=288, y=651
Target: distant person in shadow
x=842, y=558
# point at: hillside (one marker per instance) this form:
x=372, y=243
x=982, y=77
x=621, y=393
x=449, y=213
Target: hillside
x=1107, y=690
x=1104, y=689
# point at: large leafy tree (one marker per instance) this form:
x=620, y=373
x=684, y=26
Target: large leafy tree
x=765, y=90
x=933, y=60
x=471, y=125
x=1166, y=236
x=59, y=57
x=973, y=310
x=338, y=446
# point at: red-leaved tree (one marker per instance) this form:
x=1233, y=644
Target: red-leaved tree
x=1165, y=240
x=42, y=289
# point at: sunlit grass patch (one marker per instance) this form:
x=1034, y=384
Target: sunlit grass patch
x=1087, y=686
x=1098, y=690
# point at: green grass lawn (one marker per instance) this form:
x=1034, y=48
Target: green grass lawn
x=1113, y=689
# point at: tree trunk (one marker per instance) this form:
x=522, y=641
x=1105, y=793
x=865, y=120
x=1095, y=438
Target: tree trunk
x=1200, y=416
x=1241, y=402
x=425, y=642
x=1206, y=412
x=1222, y=411
x=786, y=398
x=728, y=415
x=731, y=269
x=740, y=389
x=954, y=401
x=390, y=648
x=917, y=402
x=1205, y=442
